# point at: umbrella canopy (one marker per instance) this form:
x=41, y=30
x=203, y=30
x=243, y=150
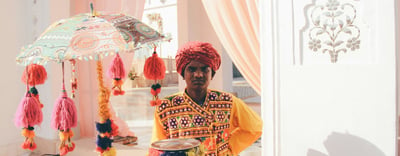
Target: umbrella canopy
x=87, y=37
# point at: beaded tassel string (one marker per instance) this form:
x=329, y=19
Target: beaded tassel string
x=28, y=115
x=74, y=81
x=64, y=117
x=116, y=71
x=154, y=69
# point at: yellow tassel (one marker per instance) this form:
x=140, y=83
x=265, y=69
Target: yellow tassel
x=111, y=152
x=28, y=133
x=118, y=83
x=191, y=152
x=62, y=136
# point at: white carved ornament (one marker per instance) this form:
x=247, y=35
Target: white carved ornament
x=333, y=29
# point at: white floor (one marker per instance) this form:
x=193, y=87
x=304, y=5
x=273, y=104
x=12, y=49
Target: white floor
x=86, y=146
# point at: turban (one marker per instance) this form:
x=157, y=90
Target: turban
x=197, y=51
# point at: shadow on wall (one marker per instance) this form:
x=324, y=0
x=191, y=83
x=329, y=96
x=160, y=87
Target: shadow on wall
x=340, y=144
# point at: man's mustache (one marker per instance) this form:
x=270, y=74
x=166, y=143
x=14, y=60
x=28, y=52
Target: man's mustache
x=198, y=80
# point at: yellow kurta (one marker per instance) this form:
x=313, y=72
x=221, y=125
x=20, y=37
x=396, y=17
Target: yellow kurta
x=224, y=124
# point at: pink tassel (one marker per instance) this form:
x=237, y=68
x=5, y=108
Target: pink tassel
x=64, y=114
x=36, y=74
x=116, y=70
x=28, y=113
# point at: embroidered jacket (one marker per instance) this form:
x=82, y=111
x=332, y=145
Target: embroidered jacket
x=224, y=124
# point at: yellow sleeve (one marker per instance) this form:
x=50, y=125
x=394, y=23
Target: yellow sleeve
x=246, y=126
x=158, y=130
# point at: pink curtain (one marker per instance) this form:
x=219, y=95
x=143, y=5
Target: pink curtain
x=236, y=23
x=87, y=76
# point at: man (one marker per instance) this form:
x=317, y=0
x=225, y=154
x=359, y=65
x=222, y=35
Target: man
x=223, y=123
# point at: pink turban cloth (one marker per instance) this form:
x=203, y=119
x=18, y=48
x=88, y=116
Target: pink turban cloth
x=197, y=51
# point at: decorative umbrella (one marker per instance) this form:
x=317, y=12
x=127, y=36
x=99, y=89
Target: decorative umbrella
x=89, y=37
x=85, y=37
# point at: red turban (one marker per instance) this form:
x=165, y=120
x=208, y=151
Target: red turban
x=199, y=51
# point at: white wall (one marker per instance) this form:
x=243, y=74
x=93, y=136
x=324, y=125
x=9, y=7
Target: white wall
x=318, y=108
x=12, y=88
x=26, y=20
x=16, y=30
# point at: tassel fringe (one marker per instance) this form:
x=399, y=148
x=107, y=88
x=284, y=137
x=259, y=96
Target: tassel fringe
x=29, y=112
x=64, y=114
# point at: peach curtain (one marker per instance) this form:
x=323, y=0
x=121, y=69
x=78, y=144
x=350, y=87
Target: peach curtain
x=88, y=85
x=236, y=23
x=129, y=7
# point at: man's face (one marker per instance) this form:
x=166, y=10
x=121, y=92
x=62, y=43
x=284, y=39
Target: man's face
x=197, y=75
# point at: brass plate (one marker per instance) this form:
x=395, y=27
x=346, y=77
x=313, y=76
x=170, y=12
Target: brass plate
x=175, y=144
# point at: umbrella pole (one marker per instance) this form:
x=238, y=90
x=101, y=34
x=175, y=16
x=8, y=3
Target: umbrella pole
x=106, y=126
x=104, y=95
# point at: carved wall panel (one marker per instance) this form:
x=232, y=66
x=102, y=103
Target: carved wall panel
x=333, y=31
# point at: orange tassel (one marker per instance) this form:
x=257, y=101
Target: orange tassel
x=118, y=82
x=71, y=134
x=35, y=73
x=63, y=150
x=63, y=135
x=100, y=150
x=66, y=144
x=117, y=89
x=29, y=144
x=28, y=133
x=25, y=145
x=71, y=146
x=33, y=146
x=155, y=91
x=114, y=129
x=155, y=102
